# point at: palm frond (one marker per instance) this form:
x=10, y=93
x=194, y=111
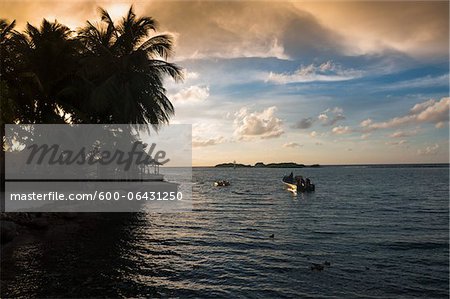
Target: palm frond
x=167, y=68
x=159, y=45
x=6, y=29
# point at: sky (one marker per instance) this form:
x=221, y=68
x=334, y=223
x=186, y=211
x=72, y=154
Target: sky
x=308, y=82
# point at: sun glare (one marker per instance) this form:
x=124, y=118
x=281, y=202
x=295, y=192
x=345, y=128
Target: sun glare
x=117, y=10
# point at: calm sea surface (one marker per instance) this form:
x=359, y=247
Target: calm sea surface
x=384, y=232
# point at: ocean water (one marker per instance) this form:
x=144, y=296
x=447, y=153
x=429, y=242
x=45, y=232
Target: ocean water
x=383, y=230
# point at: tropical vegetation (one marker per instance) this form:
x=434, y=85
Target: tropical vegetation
x=103, y=73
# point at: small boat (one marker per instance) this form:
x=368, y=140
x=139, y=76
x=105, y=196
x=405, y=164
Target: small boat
x=293, y=184
x=290, y=187
x=222, y=183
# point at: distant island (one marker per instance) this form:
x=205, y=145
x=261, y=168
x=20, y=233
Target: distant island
x=270, y=165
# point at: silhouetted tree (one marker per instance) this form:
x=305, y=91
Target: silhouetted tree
x=123, y=67
x=7, y=103
x=45, y=60
x=104, y=73
x=7, y=69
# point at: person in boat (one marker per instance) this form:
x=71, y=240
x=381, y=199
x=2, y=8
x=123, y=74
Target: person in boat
x=289, y=178
x=308, y=184
x=300, y=184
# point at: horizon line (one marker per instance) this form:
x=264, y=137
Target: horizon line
x=350, y=164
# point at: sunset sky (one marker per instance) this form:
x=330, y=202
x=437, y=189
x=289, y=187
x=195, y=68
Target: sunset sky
x=308, y=82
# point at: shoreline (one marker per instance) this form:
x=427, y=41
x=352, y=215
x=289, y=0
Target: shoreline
x=400, y=165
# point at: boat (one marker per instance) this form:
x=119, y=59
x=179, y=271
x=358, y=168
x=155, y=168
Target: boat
x=222, y=183
x=290, y=187
x=292, y=184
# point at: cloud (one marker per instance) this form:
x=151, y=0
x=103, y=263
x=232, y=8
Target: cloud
x=340, y=130
x=334, y=120
x=403, y=134
x=435, y=112
x=327, y=71
x=191, y=75
x=337, y=110
x=440, y=125
x=418, y=28
x=323, y=117
x=197, y=142
x=262, y=124
x=396, y=143
x=331, y=116
x=193, y=93
x=271, y=29
x=424, y=82
x=292, y=144
x=429, y=150
x=304, y=123
x=315, y=39
x=431, y=111
x=366, y=123
x=208, y=29
x=417, y=108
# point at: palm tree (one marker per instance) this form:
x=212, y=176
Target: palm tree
x=7, y=105
x=46, y=59
x=108, y=73
x=123, y=68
